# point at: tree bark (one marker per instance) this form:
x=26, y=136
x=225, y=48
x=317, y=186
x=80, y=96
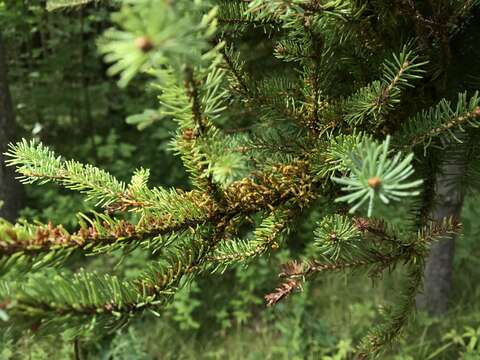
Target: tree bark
x=11, y=192
x=439, y=265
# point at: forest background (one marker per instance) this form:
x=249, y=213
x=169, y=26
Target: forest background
x=63, y=97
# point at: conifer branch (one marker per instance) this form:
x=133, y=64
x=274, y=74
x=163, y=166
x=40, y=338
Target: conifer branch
x=264, y=237
x=441, y=121
x=191, y=89
x=373, y=175
x=267, y=97
x=376, y=100
x=235, y=13
x=36, y=163
x=376, y=260
x=395, y=319
x=235, y=69
x=91, y=301
x=47, y=244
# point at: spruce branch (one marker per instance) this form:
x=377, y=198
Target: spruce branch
x=395, y=319
x=329, y=157
x=27, y=246
x=44, y=245
x=295, y=273
x=411, y=252
x=287, y=9
x=273, y=98
x=373, y=175
x=191, y=90
x=376, y=100
x=201, y=145
x=264, y=237
x=288, y=286
x=336, y=237
x=413, y=256
x=441, y=120
x=234, y=14
x=94, y=302
x=36, y=163
x=155, y=33
x=237, y=72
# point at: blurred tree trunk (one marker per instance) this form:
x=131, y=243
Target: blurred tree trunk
x=448, y=202
x=11, y=192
